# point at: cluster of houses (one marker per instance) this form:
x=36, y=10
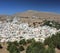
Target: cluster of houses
x=16, y=31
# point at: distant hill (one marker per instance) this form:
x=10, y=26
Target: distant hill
x=36, y=14
x=41, y=15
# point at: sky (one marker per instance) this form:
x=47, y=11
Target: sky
x=15, y=6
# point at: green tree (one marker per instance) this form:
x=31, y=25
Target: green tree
x=16, y=43
x=1, y=46
x=12, y=48
x=21, y=48
x=50, y=50
x=35, y=47
x=54, y=40
x=22, y=42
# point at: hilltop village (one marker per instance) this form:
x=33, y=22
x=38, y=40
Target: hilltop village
x=17, y=30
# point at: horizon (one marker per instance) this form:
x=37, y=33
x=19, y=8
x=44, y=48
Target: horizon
x=9, y=7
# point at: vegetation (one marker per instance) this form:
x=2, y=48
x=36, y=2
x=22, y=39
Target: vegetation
x=30, y=41
x=52, y=24
x=1, y=46
x=54, y=40
x=50, y=50
x=35, y=47
x=14, y=47
x=22, y=42
x=21, y=48
x=38, y=47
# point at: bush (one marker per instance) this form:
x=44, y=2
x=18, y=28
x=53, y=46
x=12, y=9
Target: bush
x=22, y=42
x=35, y=47
x=54, y=24
x=30, y=40
x=16, y=43
x=13, y=47
x=1, y=46
x=54, y=40
x=21, y=48
x=50, y=50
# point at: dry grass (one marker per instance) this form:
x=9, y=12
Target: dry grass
x=57, y=50
x=4, y=49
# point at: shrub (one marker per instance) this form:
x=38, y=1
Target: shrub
x=22, y=42
x=1, y=46
x=35, y=47
x=21, y=48
x=54, y=40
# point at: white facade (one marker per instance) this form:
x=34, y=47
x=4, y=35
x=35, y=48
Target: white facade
x=11, y=31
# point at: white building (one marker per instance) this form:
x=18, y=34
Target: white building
x=11, y=31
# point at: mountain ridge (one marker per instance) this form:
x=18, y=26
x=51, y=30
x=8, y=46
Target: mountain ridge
x=37, y=14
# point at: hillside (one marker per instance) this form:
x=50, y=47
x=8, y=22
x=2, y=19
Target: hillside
x=41, y=15
x=29, y=29
x=31, y=14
